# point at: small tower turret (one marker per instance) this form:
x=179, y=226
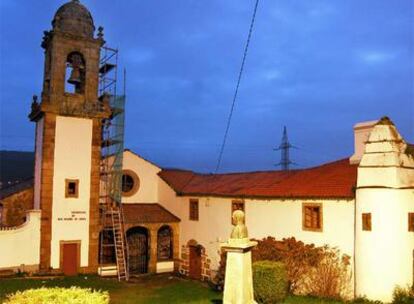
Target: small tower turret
x=384, y=245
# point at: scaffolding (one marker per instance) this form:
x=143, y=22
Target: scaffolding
x=112, y=238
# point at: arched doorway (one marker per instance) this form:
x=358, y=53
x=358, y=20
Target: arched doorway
x=195, y=264
x=137, y=239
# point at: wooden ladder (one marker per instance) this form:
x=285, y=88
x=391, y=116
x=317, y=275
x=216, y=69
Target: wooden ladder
x=120, y=246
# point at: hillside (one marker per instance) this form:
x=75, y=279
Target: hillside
x=15, y=166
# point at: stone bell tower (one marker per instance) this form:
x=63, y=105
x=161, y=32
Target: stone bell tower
x=68, y=143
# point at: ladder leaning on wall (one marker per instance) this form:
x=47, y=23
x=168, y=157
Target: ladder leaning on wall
x=112, y=219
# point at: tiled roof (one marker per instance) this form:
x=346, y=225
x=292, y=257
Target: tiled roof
x=13, y=189
x=331, y=180
x=147, y=213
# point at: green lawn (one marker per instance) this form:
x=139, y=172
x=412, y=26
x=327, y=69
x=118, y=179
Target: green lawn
x=147, y=289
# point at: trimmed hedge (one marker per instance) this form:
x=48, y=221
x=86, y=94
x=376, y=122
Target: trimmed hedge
x=73, y=295
x=270, y=282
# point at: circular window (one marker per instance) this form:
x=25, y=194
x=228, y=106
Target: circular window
x=130, y=183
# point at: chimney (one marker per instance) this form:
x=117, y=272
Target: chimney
x=361, y=134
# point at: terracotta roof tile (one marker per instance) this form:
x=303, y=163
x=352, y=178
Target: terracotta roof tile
x=333, y=180
x=147, y=213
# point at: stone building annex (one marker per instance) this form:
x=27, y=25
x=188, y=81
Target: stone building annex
x=95, y=207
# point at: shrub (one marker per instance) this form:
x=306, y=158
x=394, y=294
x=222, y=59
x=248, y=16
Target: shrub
x=318, y=271
x=58, y=296
x=364, y=300
x=403, y=295
x=331, y=277
x=299, y=258
x=269, y=282
x=218, y=280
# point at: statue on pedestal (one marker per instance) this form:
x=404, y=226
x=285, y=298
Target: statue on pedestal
x=238, y=283
x=240, y=229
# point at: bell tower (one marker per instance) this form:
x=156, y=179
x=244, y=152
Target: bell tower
x=68, y=142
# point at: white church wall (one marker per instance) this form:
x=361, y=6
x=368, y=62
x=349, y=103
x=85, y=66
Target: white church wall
x=21, y=245
x=277, y=218
x=72, y=160
x=384, y=256
x=384, y=246
x=148, y=179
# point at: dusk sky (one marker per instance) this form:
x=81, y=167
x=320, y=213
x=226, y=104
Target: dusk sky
x=316, y=66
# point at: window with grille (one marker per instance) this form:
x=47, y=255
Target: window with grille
x=236, y=205
x=312, y=217
x=411, y=221
x=366, y=222
x=194, y=210
x=165, y=244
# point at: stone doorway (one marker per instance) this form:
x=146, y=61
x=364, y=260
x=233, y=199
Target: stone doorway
x=137, y=238
x=195, y=262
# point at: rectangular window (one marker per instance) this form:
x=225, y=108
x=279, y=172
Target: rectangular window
x=193, y=209
x=366, y=222
x=411, y=221
x=72, y=188
x=312, y=218
x=236, y=205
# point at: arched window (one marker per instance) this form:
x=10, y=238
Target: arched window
x=165, y=244
x=75, y=73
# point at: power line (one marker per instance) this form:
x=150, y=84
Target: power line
x=237, y=88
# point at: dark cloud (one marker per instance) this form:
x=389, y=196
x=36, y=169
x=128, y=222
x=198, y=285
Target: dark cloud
x=316, y=66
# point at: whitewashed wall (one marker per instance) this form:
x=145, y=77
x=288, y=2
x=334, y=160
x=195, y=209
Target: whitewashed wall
x=148, y=178
x=70, y=216
x=21, y=245
x=385, y=255
x=277, y=218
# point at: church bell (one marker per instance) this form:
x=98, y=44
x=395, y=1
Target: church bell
x=75, y=76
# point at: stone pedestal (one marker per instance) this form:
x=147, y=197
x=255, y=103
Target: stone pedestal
x=238, y=283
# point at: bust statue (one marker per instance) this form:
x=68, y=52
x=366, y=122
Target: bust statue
x=239, y=230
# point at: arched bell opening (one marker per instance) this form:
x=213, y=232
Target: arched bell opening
x=75, y=73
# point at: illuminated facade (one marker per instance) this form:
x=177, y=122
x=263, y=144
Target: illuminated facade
x=175, y=220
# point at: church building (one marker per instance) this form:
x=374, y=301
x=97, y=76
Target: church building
x=95, y=207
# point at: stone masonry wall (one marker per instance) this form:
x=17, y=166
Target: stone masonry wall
x=184, y=265
x=15, y=207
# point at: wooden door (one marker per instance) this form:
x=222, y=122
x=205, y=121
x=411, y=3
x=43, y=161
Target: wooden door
x=195, y=263
x=70, y=259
